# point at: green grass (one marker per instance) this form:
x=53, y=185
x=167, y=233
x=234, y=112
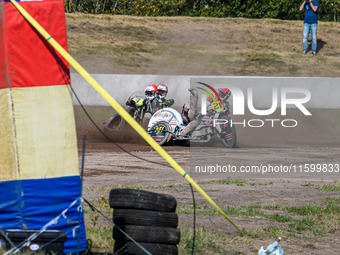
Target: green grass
x=101, y=238
x=325, y=187
x=266, y=232
x=256, y=56
x=209, y=242
x=226, y=182
x=299, y=220
x=236, y=182
x=332, y=200
x=330, y=187
x=138, y=187
x=98, y=228
x=146, y=187
x=261, y=183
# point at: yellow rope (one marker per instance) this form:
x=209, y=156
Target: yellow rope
x=120, y=110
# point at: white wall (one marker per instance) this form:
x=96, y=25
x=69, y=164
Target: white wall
x=325, y=91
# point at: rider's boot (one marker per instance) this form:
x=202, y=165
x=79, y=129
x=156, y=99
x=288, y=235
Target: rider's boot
x=193, y=91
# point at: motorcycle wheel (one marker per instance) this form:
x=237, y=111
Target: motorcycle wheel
x=228, y=135
x=114, y=121
x=130, y=111
x=160, y=132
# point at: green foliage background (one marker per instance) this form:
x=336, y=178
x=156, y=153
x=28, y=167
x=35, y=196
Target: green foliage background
x=277, y=9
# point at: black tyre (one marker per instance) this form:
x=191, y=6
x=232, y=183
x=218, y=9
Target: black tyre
x=228, y=134
x=114, y=121
x=121, y=247
x=145, y=218
x=147, y=234
x=160, y=132
x=131, y=111
x=141, y=199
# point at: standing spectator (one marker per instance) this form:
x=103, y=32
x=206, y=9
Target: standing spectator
x=310, y=24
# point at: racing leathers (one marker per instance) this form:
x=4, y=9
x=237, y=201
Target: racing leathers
x=154, y=105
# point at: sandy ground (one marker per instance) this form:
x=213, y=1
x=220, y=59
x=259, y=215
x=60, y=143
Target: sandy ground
x=107, y=165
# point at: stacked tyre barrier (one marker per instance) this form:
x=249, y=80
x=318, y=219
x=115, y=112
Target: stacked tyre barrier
x=148, y=218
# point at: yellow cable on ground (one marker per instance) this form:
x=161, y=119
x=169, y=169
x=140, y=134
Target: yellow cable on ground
x=120, y=110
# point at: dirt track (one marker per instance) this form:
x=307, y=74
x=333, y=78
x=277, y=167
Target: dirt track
x=108, y=166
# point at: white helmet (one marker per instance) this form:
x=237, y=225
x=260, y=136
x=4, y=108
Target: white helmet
x=162, y=91
x=150, y=91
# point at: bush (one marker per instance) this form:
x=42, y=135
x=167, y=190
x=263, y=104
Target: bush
x=284, y=9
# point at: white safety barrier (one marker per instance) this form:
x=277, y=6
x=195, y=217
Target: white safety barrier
x=325, y=91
